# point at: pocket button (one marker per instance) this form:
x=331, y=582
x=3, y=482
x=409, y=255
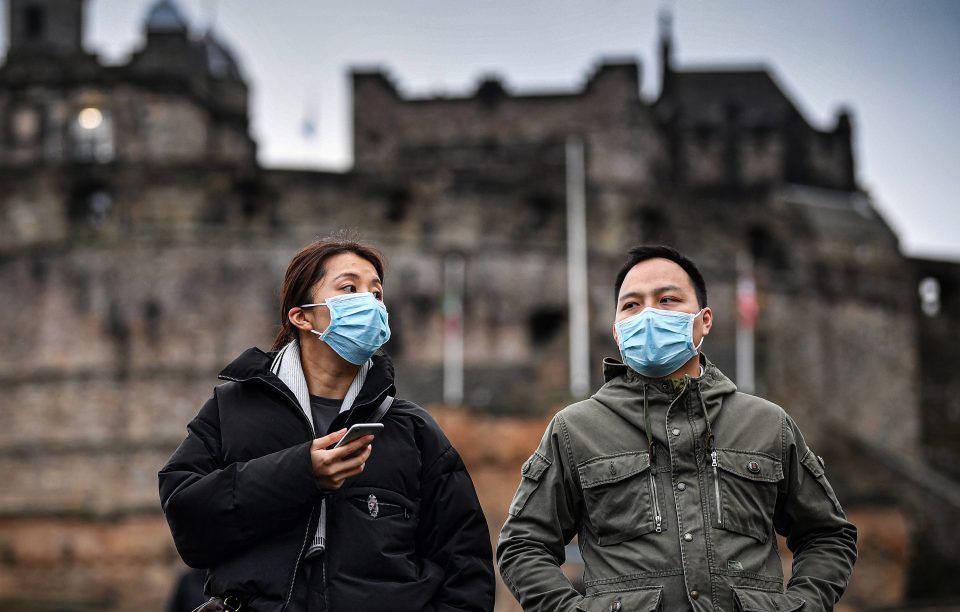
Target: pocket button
x=616, y=606
x=753, y=467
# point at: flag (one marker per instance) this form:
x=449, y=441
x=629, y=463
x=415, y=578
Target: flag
x=748, y=308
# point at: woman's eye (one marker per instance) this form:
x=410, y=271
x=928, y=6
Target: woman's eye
x=378, y=295
x=349, y=288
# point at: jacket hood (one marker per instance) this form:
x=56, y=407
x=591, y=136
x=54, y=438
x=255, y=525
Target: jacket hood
x=624, y=388
x=254, y=363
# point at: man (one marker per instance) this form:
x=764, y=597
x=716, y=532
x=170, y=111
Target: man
x=674, y=482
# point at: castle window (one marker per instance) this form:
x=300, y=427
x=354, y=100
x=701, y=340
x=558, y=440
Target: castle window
x=766, y=249
x=398, y=202
x=25, y=125
x=654, y=226
x=34, y=22
x=544, y=324
x=90, y=205
x=539, y=208
x=930, y=296
x=92, y=134
x=704, y=135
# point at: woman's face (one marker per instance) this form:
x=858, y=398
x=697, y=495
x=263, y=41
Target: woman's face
x=346, y=273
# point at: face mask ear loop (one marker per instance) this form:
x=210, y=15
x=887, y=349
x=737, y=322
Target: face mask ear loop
x=646, y=424
x=702, y=337
x=313, y=331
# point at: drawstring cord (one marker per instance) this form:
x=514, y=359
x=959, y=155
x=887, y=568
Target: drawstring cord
x=646, y=423
x=703, y=407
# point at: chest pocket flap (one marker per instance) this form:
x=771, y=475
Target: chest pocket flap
x=612, y=468
x=752, y=466
x=617, y=499
x=643, y=600
x=746, y=493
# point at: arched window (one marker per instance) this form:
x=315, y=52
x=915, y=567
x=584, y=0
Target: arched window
x=92, y=135
x=929, y=290
x=90, y=205
x=34, y=22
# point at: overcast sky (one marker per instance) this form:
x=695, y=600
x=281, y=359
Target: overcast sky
x=895, y=63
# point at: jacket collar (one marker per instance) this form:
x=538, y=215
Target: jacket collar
x=624, y=388
x=254, y=364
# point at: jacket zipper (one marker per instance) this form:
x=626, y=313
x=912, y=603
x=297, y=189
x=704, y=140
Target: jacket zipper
x=306, y=534
x=406, y=514
x=656, y=502
x=296, y=566
x=398, y=507
x=716, y=487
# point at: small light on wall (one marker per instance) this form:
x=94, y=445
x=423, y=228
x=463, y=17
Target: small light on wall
x=90, y=118
x=930, y=296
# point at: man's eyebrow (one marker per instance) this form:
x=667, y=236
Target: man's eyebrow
x=657, y=291
x=666, y=288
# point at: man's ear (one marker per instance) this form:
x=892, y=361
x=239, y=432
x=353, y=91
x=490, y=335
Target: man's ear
x=298, y=317
x=707, y=321
x=616, y=336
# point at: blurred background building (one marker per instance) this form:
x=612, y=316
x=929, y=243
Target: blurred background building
x=142, y=246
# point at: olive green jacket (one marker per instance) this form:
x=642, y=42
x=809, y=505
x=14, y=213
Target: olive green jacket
x=688, y=527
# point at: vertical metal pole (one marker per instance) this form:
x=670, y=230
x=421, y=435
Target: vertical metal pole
x=746, y=323
x=454, y=274
x=577, y=268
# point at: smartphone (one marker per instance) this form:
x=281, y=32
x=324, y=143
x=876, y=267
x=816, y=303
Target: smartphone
x=358, y=430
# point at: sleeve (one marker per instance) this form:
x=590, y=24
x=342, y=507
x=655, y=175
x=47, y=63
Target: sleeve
x=214, y=510
x=454, y=535
x=543, y=519
x=822, y=540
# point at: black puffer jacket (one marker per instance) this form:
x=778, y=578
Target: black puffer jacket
x=241, y=500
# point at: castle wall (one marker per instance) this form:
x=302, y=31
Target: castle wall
x=624, y=142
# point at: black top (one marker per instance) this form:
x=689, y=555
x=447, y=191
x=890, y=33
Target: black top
x=405, y=535
x=324, y=410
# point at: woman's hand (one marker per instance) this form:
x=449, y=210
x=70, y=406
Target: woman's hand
x=332, y=467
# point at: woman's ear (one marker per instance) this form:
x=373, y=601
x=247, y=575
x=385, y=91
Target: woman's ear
x=298, y=318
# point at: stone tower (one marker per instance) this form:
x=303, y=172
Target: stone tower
x=52, y=28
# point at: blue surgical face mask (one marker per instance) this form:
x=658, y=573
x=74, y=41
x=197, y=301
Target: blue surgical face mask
x=358, y=325
x=657, y=342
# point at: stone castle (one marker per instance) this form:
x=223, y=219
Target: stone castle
x=142, y=246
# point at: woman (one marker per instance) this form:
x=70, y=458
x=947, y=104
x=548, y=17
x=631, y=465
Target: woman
x=256, y=493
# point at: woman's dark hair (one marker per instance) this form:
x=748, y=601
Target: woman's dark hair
x=643, y=253
x=306, y=269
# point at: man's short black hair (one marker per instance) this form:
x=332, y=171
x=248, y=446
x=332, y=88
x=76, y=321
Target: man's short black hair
x=643, y=253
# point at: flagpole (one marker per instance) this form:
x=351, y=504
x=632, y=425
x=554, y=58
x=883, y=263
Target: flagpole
x=747, y=311
x=454, y=276
x=577, y=267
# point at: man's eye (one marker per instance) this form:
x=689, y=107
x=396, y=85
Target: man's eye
x=667, y=300
x=629, y=305
x=378, y=295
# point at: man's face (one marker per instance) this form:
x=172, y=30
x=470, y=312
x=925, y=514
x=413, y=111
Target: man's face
x=660, y=283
